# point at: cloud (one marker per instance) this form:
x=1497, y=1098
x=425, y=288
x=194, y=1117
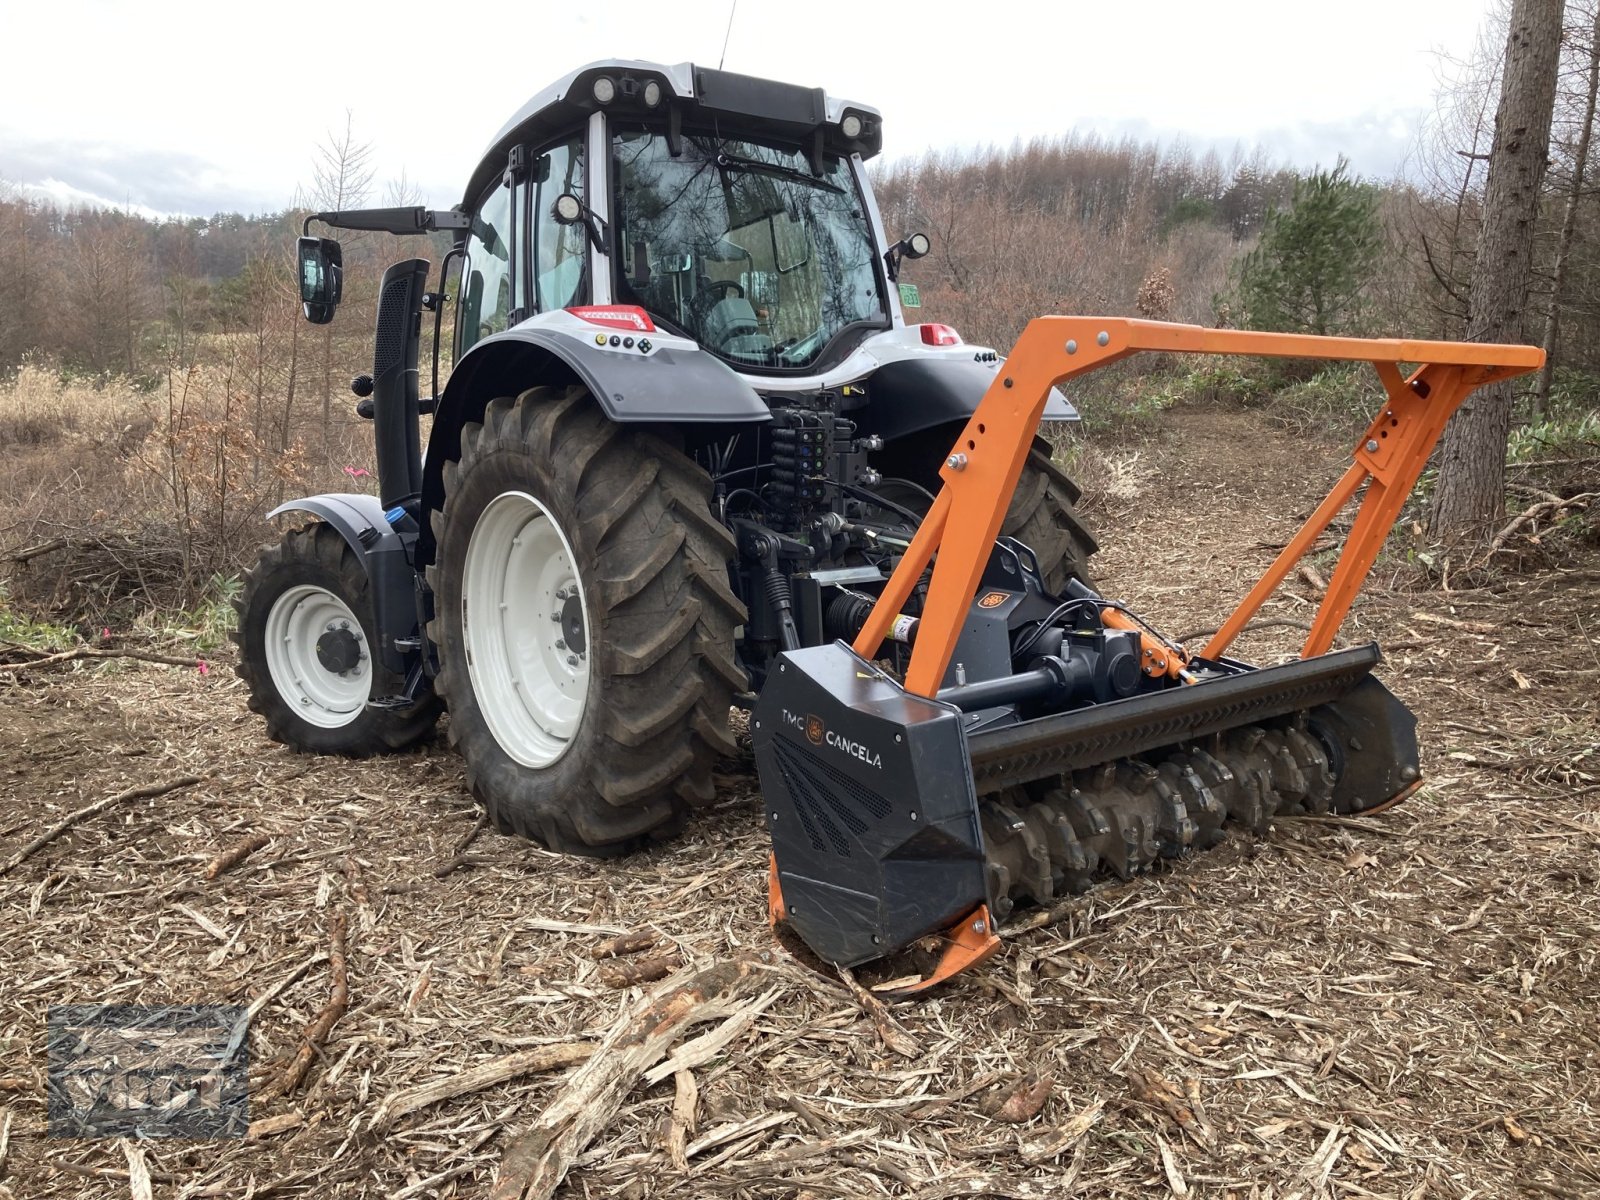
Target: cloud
x=108, y=175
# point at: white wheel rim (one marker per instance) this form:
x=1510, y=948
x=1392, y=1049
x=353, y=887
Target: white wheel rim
x=520, y=593
x=315, y=693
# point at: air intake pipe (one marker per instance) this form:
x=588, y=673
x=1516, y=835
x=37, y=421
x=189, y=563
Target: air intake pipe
x=394, y=384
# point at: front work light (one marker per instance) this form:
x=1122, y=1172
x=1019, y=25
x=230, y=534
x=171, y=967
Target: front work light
x=851, y=126
x=605, y=89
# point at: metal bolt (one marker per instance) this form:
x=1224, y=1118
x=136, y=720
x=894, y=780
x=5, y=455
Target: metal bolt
x=1407, y=774
x=1372, y=446
x=1072, y=346
x=572, y=660
x=758, y=724
x=915, y=817
x=899, y=738
x=555, y=616
x=961, y=674
x=956, y=462
x=979, y=926
x=1102, y=338
x=774, y=814
x=561, y=593
x=305, y=700
x=560, y=644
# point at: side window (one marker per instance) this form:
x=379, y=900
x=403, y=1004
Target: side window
x=486, y=276
x=558, y=251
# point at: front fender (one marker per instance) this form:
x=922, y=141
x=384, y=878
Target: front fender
x=673, y=383
x=383, y=553
x=909, y=395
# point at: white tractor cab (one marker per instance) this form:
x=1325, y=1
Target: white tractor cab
x=688, y=428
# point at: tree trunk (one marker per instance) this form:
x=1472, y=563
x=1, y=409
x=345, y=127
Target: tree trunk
x=1569, y=225
x=1472, y=459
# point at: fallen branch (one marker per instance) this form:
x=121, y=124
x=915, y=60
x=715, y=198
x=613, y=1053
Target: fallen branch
x=236, y=854
x=685, y=1099
x=627, y=943
x=473, y=1079
x=92, y=810
x=319, y=1029
x=31, y=552
x=50, y=660
x=626, y=973
x=1535, y=512
x=889, y=1031
x=537, y=1162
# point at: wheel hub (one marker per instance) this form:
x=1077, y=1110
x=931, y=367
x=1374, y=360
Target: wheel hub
x=338, y=650
x=572, y=623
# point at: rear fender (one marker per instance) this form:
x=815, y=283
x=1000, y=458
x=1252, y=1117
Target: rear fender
x=674, y=382
x=383, y=552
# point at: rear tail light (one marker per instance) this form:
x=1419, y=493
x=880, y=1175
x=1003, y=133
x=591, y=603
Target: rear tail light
x=618, y=316
x=939, y=335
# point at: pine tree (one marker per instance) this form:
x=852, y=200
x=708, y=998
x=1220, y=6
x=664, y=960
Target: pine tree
x=1307, y=273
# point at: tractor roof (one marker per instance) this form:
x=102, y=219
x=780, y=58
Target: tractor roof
x=699, y=94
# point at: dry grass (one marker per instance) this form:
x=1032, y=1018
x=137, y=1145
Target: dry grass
x=117, y=501
x=1405, y=1005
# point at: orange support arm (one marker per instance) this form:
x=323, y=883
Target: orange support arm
x=984, y=465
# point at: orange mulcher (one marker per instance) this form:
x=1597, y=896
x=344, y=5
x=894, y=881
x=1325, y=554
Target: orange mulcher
x=1037, y=740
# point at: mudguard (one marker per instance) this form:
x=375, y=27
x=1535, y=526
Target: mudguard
x=672, y=383
x=383, y=552
x=914, y=394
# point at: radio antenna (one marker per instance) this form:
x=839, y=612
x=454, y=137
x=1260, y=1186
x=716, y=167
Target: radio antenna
x=732, y=8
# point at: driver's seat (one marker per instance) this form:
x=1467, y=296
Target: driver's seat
x=730, y=325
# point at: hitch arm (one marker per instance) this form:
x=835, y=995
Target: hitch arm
x=980, y=474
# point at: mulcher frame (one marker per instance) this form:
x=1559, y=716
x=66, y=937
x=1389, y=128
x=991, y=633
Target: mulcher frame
x=983, y=467
x=981, y=473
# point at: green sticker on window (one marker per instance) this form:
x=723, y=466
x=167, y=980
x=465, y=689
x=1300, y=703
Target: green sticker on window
x=909, y=296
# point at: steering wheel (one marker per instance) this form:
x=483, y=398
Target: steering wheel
x=730, y=286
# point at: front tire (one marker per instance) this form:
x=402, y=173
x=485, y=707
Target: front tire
x=305, y=635
x=584, y=622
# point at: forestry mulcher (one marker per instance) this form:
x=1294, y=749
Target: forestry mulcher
x=693, y=454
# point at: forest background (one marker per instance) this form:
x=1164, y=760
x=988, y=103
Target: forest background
x=159, y=392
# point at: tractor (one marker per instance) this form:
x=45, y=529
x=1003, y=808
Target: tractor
x=696, y=454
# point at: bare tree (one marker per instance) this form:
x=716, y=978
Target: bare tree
x=341, y=178
x=1472, y=461
x=1569, y=222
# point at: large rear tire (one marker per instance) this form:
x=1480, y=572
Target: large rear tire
x=1043, y=513
x=1044, y=516
x=585, y=624
x=305, y=636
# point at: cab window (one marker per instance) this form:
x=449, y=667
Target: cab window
x=558, y=252
x=486, y=277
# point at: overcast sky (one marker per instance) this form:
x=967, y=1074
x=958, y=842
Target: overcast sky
x=199, y=107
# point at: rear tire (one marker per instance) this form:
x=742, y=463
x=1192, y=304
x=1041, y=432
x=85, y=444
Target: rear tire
x=1043, y=513
x=1044, y=516
x=309, y=585
x=622, y=558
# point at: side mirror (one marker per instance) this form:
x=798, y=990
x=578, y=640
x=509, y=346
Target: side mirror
x=321, y=278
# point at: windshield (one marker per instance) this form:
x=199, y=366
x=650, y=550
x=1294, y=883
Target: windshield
x=742, y=248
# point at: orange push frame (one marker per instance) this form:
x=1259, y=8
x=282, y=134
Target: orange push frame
x=981, y=472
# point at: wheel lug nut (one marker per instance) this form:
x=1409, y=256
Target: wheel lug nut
x=572, y=660
x=560, y=644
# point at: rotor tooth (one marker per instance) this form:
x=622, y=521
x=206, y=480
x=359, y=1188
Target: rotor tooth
x=1314, y=768
x=1070, y=863
x=1204, y=810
